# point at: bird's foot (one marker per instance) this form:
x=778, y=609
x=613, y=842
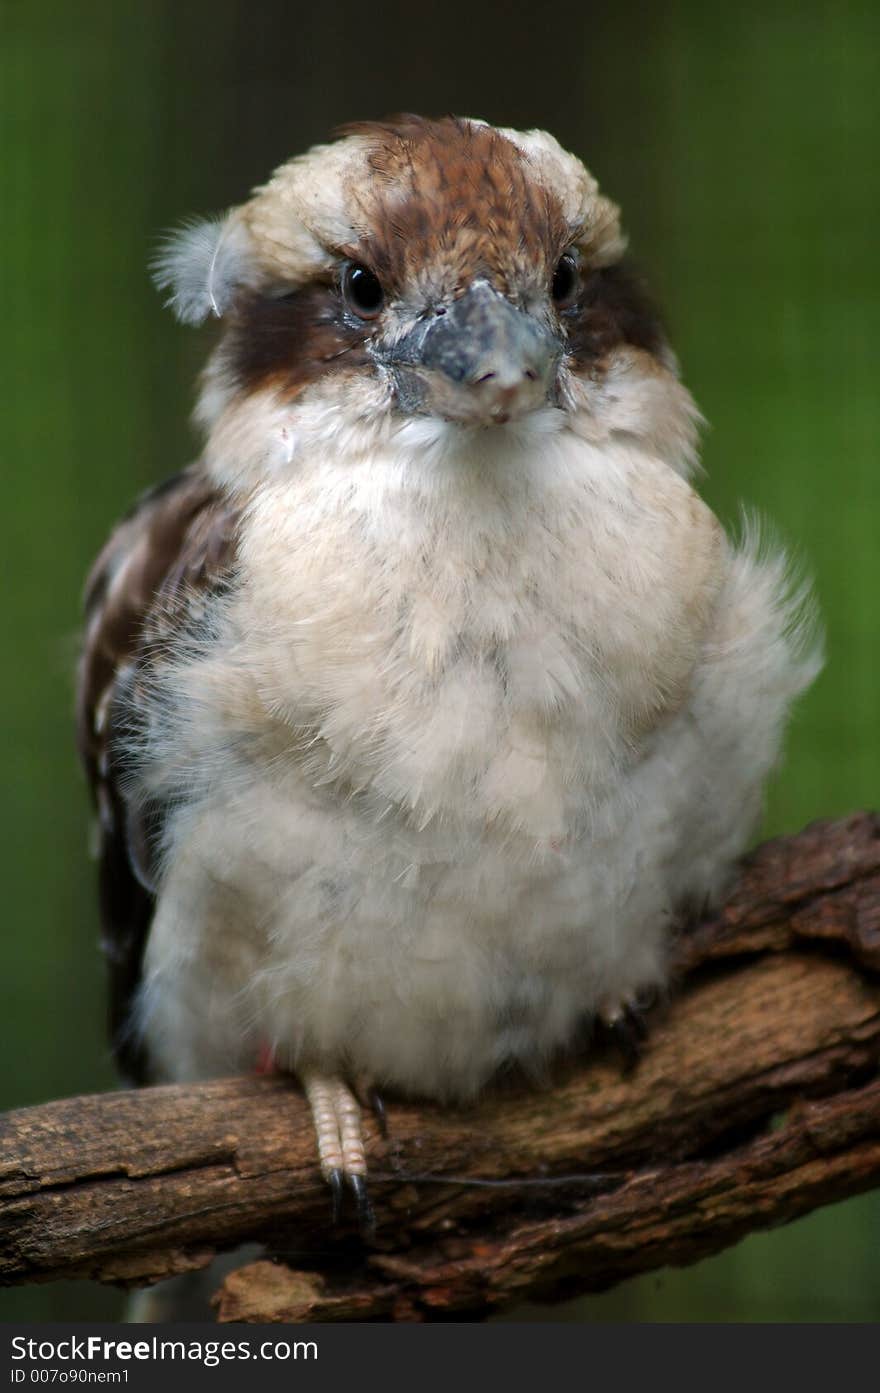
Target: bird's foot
x=337, y=1117
x=624, y=1022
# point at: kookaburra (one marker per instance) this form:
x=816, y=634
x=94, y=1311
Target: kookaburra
x=426, y=702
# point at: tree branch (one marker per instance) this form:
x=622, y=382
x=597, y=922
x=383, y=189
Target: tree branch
x=756, y=1101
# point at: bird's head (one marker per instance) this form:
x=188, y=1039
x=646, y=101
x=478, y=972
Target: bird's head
x=435, y=269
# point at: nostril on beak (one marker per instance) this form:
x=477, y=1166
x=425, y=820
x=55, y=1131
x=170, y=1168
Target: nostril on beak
x=509, y=381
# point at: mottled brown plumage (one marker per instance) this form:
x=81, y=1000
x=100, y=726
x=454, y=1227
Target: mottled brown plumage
x=460, y=192
x=147, y=587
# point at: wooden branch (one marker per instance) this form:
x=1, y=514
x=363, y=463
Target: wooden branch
x=756, y=1101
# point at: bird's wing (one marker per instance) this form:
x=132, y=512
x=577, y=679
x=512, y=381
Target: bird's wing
x=174, y=550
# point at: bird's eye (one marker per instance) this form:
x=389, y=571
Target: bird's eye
x=566, y=281
x=362, y=291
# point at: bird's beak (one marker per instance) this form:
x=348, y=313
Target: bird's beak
x=478, y=360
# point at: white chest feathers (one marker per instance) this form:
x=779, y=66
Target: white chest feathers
x=484, y=637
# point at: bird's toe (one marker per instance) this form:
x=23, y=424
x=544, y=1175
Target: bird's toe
x=337, y=1118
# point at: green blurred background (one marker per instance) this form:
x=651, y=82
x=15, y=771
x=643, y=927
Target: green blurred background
x=742, y=142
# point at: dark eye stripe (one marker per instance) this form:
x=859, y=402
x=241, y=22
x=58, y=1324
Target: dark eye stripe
x=613, y=308
x=294, y=339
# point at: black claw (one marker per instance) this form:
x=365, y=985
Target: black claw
x=629, y=1032
x=335, y=1181
x=377, y=1107
x=366, y=1217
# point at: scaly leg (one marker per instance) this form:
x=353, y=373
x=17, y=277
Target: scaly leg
x=337, y=1117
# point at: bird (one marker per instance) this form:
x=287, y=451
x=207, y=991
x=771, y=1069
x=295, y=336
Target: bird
x=428, y=703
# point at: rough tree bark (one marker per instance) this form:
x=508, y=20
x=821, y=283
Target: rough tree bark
x=757, y=1100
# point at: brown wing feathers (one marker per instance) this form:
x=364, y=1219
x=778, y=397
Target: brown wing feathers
x=162, y=562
